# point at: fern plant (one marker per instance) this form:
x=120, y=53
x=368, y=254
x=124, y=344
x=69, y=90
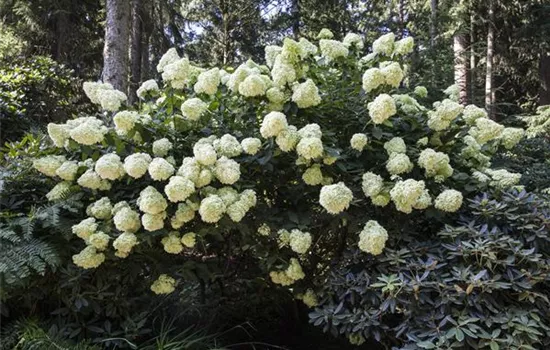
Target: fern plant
x=29, y=243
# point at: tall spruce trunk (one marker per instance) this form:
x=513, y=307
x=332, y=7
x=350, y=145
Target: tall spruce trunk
x=489, y=88
x=433, y=21
x=472, y=59
x=460, y=44
x=544, y=73
x=115, y=50
x=136, y=49
x=296, y=17
x=148, y=13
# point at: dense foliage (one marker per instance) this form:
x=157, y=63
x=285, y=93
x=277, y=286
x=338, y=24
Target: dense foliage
x=34, y=92
x=259, y=178
x=480, y=283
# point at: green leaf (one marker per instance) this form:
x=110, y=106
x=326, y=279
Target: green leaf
x=459, y=335
x=426, y=345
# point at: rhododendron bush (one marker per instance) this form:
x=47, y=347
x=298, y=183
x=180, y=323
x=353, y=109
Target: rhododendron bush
x=291, y=163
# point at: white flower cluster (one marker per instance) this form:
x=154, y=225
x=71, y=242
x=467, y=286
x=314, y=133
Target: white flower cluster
x=85, y=228
x=254, y=85
x=404, y=46
x=287, y=277
x=372, y=238
x=100, y=209
x=471, y=113
x=109, y=167
x=162, y=147
x=453, y=92
x=164, y=285
x=444, y=114
x=48, y=165
x=153, y=222
x=172, y=243
x=313, y=175
x=273, y=124
x=393, y=74
x=384, y=44
x=124, y=244
x=309, y=146
x=306, y=94
x=486, y=130
x=325, y=33
x=127, y=220
x=373, y=78
x=510, y=137
x=288, y=139
x=147, y=87
x=179, y=189
x=104, y=95
x=406, y=195
x=160, y=169
x=335, y=198
x=151, y=201
x=184, y=214
x=189, y=239
x=227, y=146
x=208, y=82
x=136, y=164
x=264, y=230
x=125, y=121
x=88, y=258
x=333, y=49
x=359, y=141
x=271, y=53
x=372, y=184
x=399, y=163
x=193, y=108
x=176, y=71
x=99, y=240
x=472, y=154
x=502, y=178
x=353, y=40
x=227, y=171
x=381, y=108
x=87, y=130
x=90, y=179
x=436, y=164
x=449, y=201
x=251, y=145
x=299, y=241
x=309, y=298
x=84, y=130
x=226, y=200
x=421, y=91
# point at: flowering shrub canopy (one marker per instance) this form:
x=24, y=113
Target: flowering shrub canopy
x=290, y=162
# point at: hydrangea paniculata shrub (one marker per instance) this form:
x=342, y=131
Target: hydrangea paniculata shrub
x=290, y=163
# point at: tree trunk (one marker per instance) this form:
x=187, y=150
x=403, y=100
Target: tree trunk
x=472, y=59
x=296, y=16
x=460, y=43
x=544, y=72
x=115, y=50
x=489, y=89
x=433, y=21
x=136, y=49
x=61, y=30
x=148, y=27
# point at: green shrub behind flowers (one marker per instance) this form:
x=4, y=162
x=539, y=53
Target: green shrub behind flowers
x=272, y=171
